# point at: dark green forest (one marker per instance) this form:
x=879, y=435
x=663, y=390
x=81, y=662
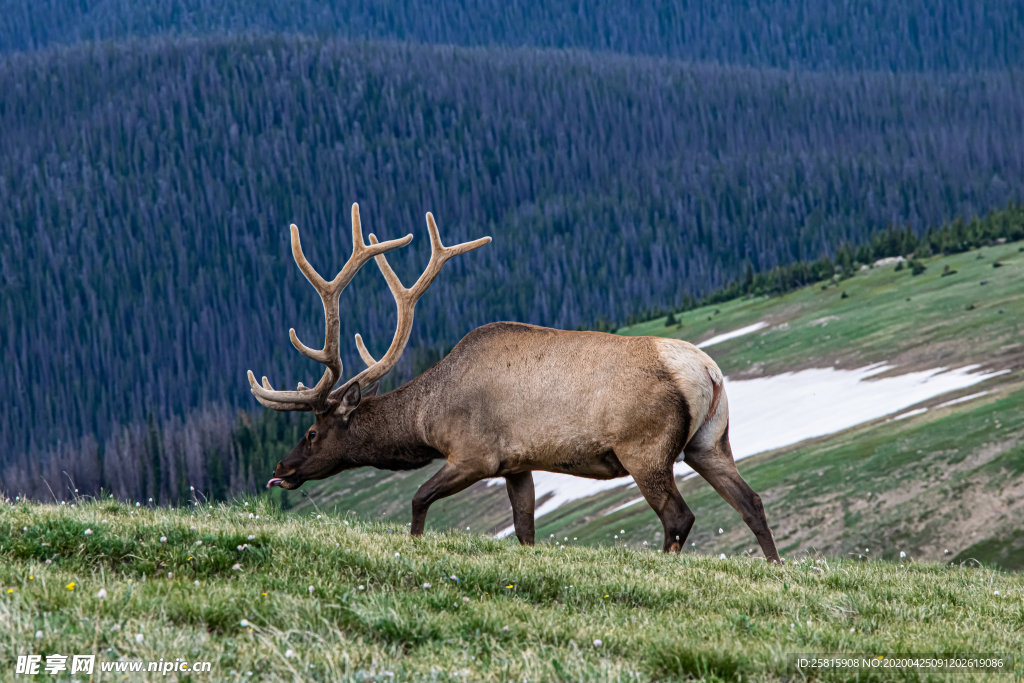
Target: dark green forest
x=914, y=35
x=146, y=187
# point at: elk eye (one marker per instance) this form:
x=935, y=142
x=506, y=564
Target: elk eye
x=312, y=435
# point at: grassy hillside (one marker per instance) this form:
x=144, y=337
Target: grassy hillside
x=949, y=479
x=331, y=599
x=972, y=312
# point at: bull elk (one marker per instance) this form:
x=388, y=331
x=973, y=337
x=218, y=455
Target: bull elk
x=510, y=399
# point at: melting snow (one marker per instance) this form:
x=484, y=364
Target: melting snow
x=732, y=335
x=961, y=399
x=771, y=412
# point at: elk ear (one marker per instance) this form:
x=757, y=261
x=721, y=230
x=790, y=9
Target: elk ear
x=349, y=401
x=372, y=391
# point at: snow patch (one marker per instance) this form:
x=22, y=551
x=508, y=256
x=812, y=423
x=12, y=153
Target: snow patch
x=962, y=399
x=732, y=335
x=624, y=506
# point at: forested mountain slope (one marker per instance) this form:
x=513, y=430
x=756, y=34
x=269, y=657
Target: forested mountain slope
x=146, y=189
x=917, y=35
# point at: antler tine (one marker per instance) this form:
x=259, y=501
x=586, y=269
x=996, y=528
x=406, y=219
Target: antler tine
x=317, y=398
x=364, y=353
x=405, y=300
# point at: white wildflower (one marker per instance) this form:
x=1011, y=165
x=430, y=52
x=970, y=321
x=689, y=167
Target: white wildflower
x=102, y=594
x=597, y=642
x=163, y=539
x=139, y=637
x=289, y=653
x=722, y=556
x=236, y=567
x=88, y=532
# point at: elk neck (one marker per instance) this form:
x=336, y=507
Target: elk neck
x=386, y=432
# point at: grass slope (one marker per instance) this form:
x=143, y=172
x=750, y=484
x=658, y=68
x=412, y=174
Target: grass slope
x=333, y=599
x=944, y=480
x=973, y=315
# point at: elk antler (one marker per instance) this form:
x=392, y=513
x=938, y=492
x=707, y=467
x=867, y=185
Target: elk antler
x=405, y=299
x=317, y=399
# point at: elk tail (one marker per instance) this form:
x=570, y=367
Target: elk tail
x=716, y=395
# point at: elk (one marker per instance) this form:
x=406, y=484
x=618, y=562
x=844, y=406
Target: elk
x=512, y=398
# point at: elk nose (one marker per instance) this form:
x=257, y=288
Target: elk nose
x=282, y=471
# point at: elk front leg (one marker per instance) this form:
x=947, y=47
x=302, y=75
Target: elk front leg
x=448, y=481
x=520, y=494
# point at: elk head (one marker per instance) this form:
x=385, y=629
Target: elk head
x=323, y=450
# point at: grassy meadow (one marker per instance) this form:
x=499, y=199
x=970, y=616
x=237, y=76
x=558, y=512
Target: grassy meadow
x=963, y=308
x=286, y=596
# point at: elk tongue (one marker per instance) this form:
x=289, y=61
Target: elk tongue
x=276, y=481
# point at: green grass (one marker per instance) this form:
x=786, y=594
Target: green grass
x=888, y=315
x=514, y=613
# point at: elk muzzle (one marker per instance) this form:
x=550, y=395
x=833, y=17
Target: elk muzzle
x=280, y=474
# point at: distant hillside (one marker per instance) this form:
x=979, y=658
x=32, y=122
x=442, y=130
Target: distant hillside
x=146, y=189
x=914, y=35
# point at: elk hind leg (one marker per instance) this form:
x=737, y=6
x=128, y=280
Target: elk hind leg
x=521, y=495
x=716, y=465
